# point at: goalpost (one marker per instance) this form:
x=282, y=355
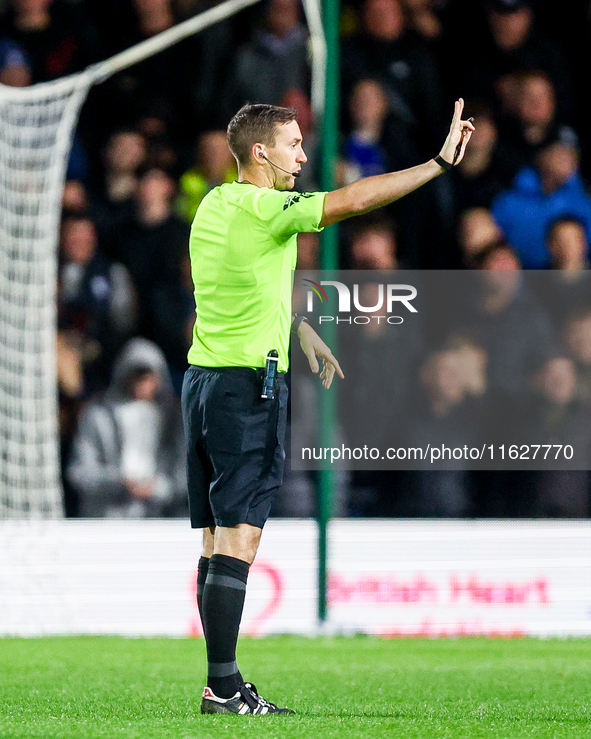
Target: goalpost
x=36, y=128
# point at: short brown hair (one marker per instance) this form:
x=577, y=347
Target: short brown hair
x=253, y=123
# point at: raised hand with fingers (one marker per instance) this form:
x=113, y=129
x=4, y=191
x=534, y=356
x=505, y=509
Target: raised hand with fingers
x=457, y=139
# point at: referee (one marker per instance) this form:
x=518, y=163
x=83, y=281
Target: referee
x=243, y=248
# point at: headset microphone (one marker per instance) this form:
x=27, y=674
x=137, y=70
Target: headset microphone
x=266, y=158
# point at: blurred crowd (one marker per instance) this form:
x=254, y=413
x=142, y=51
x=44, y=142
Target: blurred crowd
x=150, y=144
x=493, y=358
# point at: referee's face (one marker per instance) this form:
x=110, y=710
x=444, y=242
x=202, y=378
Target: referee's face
x=287, y=154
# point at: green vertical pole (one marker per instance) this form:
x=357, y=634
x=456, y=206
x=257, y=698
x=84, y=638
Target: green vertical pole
x=328, y=261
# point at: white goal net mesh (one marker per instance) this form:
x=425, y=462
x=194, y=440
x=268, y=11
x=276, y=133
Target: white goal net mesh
x=36, y=126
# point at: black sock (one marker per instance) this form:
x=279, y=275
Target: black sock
x=202, y=571
x=221, y=604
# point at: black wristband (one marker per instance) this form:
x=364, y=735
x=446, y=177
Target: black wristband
x=442, y=163
x=296, y=323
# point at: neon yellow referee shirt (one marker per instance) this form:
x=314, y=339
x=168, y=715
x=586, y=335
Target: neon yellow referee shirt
x=243, y=248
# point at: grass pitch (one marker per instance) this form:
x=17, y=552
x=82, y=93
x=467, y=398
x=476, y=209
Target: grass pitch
x=91, y=687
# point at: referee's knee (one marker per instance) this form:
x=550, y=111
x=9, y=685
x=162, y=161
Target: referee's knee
x=241, y=541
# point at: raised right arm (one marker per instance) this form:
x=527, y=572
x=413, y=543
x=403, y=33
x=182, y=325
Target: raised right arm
x=374, y=192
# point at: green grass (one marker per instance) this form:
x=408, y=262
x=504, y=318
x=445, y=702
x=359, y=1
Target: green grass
x=91, y=687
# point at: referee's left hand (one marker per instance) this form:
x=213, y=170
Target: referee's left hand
x=313, y=347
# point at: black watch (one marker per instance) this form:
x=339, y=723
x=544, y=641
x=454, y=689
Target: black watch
x=297, y=321
x=447, y=166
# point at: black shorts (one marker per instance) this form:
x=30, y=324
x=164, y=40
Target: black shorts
x=235, y=445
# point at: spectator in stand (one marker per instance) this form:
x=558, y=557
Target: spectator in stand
x=477, y=230
x=374, y=147
x=536, y=109
x=423, y=19
x=364, y=153
x=128, y=452
x=567, y=288
x=58, y=37
x=154, y=126
x=486, y=169
x=74, y=198
x=154, y=16
x=443, y=412
x=500, y=257
x=273, y=62
x=96, y=300
x=214, y=166
x=373, y=245
x=508, y=322
x=513, y=44
x=123, y=156
x=508, y=91
x=539, y=196
x=533, y=123
x=152, y=244
x=554, y=415
x=15, y=69
x=569, y=246
x=577, y=338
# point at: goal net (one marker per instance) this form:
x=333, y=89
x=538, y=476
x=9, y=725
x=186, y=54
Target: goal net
x=35, y=131
x=36, y=128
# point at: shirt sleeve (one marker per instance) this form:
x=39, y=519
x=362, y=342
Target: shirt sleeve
x=286, y=213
